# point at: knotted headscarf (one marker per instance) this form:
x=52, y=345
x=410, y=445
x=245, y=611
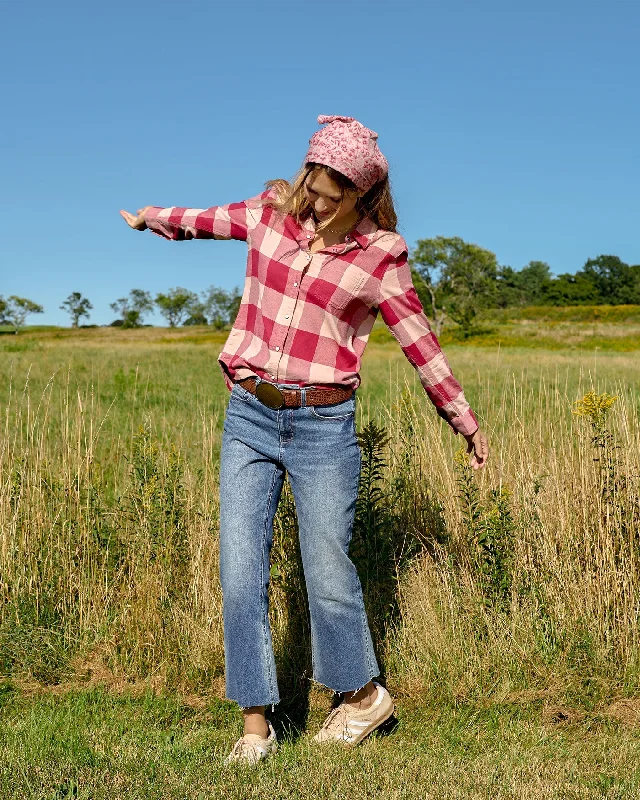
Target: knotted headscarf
x=347, y=146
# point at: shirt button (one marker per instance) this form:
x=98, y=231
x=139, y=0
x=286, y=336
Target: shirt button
x=308, y=236
x=295, y=284
x=286, y=316
x=277, y=348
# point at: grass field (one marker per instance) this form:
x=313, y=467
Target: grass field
x=95, y=744
x=504, y=605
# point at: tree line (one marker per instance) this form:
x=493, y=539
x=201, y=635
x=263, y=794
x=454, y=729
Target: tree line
x=454, y=279
x=459, y=280
x=214, y=306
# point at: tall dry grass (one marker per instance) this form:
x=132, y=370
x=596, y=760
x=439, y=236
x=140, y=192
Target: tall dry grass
x=521, y=578
x=113, y=562
x=535, y=587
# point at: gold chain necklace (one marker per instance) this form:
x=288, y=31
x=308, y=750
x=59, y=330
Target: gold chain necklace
x=345, y=230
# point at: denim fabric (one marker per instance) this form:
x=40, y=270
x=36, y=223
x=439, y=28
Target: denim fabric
x=318, y=449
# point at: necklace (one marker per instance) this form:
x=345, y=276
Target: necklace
x=344, y=230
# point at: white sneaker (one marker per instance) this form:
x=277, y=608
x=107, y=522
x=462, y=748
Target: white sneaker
x=251, y=748
x=349, y=725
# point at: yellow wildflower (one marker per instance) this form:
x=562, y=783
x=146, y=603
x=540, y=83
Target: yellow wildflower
x=594, y=406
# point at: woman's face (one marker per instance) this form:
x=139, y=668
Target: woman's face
x=324, y=196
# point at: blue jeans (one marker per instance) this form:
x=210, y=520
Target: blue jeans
x=318, y=449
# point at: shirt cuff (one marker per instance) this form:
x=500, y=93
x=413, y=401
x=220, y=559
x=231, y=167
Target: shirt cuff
x=465, y=424
x=153, y=223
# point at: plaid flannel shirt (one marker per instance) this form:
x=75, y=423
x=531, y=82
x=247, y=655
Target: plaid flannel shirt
x=305, y=317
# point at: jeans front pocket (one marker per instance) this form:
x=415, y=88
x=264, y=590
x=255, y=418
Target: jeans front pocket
x=240, y=393
x=337, y=411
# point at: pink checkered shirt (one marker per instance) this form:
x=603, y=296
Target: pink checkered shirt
x=305, y=317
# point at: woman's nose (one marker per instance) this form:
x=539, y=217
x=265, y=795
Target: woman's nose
x=321, y=206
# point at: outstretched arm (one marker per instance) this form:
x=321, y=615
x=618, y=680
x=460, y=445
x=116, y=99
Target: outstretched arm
x=232, y=221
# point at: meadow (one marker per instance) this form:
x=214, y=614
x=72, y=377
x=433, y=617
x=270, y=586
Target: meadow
x=504, y=604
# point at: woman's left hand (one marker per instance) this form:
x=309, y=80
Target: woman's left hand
x=478, y=445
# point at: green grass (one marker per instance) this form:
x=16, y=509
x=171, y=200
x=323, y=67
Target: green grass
x=588, y=314
x=614, y=328
x=484, y=729
x=574, y=328
x=92, y=744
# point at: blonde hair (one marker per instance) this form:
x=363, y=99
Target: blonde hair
x=291, y=198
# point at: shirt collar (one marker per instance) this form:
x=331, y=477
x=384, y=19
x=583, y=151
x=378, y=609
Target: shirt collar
x=364, y=232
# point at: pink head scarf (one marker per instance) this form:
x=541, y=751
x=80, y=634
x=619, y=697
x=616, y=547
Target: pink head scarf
x=347, y=146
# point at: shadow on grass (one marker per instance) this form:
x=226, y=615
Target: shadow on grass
x=387, y=728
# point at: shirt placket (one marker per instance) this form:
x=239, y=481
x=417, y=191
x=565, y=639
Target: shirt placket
x=285, y=314
x=302, y=265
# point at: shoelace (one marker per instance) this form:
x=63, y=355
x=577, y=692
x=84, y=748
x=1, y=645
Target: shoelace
x=242, y=747
x=337, y=720
x=340, y=725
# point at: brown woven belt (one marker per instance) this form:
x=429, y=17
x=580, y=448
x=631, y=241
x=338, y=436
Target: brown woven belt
x=274, y=397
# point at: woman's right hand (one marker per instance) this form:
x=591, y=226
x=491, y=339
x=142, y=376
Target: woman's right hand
x=133, y=221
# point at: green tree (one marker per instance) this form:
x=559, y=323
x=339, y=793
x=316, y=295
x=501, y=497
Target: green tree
x=615, y=281
x=221, y=305
x=176, y=304
x=197, y=313
x=133, y=308
x=426, y=271
x=572, y=290
x=524, y=288
x=3, y=308
x=533, y=280
x=460, y=277
x=429, y=295
x=508, y=291
x=76, y=306
x=18, y=309
x=635, y=271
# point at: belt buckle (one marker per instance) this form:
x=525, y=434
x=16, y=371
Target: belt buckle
x=269, y=395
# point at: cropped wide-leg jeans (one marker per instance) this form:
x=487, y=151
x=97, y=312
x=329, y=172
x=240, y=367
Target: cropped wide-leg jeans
x=318, y=449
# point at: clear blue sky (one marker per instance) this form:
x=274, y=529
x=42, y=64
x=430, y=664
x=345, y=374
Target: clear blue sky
x=514, y=125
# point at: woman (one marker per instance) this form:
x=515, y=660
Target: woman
x=324, y=258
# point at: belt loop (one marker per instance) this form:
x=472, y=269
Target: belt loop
x=303, y=397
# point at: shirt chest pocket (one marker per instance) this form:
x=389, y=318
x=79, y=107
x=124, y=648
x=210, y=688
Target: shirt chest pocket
x=336, y=286
x=348, y=289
